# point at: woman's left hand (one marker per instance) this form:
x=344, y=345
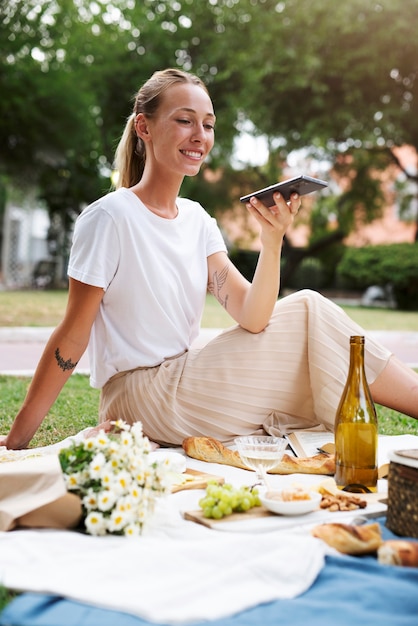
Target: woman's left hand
x=274, y=221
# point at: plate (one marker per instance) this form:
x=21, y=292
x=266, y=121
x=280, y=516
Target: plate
x=193, y=479
x=291, y=507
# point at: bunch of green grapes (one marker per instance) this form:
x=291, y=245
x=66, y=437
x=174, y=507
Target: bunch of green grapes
x=222, y=500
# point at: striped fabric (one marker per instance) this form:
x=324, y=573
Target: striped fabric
x=289, y=376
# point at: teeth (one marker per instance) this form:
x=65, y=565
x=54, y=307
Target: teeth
x=195, y=155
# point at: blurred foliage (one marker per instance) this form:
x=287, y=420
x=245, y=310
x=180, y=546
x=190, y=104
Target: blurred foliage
x=337, y=80
x=394, y=265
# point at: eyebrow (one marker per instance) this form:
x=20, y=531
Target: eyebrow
x=189, y=110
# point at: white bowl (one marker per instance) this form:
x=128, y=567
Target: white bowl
x=291, y=507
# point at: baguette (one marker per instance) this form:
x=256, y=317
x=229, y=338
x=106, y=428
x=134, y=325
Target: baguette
x=398, y=552
x=350, y=539
x=213, y=451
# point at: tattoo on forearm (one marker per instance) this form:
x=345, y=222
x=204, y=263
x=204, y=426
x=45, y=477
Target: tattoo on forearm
x=62, y=363
x=215, y=286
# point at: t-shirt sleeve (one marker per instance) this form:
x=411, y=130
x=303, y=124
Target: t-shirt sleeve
x=215, y=240
x=95, y=251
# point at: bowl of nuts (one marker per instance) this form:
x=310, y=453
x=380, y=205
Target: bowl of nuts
x=291, y=501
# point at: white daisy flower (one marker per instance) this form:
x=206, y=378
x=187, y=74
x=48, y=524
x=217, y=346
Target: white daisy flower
x=132, y=530
x=95, y=523
x=106, y=500
x=123, y=481
x=73, y=481
x=90, y=500
x=126, y=439
x=117, y=521
x=96, y=465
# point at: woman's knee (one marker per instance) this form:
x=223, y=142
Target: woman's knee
x=306, y=298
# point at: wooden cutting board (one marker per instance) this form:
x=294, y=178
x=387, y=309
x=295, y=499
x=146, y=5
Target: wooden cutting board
x=256, y=512
x=196, y=480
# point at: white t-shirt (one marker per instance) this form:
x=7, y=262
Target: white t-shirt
x=154, y=274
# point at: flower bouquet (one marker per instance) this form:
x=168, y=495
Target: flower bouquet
x=116, y=479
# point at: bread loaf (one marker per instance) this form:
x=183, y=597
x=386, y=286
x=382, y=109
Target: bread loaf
x=213, y=451
x=350, y=539
x=398, y=552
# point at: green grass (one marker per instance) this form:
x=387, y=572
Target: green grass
x=6, y=596
x=46, y=308
x=75, y=408
x=32, y=308
x=371, y=318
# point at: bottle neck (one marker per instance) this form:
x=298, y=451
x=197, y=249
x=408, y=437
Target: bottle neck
x=356, y=353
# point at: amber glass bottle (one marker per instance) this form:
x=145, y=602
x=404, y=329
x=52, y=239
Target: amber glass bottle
x=356, y=429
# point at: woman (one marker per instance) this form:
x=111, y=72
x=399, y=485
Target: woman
x=141, y=263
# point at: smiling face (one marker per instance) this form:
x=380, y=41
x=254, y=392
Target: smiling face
x=181, y=133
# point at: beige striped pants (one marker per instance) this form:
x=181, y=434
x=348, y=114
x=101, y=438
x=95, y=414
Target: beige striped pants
x=289, y=376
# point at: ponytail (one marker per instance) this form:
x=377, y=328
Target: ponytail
x=130, y=154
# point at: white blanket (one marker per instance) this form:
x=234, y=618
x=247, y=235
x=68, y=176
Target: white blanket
x=181, y=572
x=177, y=572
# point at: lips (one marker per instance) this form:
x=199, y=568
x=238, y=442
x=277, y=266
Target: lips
x=193, y=154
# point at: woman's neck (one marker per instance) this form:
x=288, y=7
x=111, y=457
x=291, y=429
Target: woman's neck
x=160, y=198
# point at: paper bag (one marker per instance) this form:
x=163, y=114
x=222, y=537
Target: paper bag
x=33, y=495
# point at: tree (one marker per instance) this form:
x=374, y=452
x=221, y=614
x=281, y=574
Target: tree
x=69, y=74
x=338, y=79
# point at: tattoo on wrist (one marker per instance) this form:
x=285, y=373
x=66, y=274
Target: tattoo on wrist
x=65, y=365
x=216, y=284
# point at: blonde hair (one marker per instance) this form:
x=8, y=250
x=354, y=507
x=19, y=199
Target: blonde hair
x=130, y=152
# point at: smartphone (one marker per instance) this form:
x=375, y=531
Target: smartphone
x=300, y=184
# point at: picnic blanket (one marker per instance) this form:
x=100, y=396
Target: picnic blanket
x=200, y=573
x=183, y=574
x=347, y=591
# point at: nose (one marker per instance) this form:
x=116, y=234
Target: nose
x=199, y=133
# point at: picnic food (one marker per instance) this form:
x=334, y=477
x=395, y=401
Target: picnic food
x=398, y=552
x=213, y=451
x=292, y=494
x=342, y=502
x=334, y=499
x=222, y=500
x=350, y=539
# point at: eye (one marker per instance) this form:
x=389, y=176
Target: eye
x=183, y=121
x=210, y=126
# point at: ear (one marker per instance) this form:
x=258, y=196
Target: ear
x=141, y=127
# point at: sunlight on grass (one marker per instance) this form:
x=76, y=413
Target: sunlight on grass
x=383, y=319
x=215, y=316
x=32, y=308
x=46, y=308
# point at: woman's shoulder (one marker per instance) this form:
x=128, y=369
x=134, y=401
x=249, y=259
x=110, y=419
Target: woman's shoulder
x=111, y=204
x=117, y=198
x=192, y=207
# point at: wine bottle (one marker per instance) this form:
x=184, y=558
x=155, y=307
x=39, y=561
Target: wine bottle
x=356, y=429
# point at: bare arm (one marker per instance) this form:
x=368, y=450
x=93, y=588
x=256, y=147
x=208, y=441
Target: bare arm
x=251, y=304
x=61, y=355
